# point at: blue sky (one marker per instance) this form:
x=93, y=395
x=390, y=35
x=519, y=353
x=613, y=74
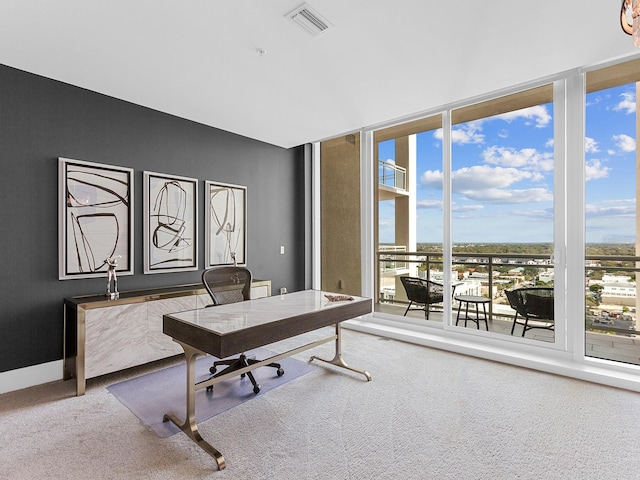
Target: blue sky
x=502, y=175
x=610, y=165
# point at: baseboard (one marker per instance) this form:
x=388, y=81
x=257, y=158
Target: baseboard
x=30, y=376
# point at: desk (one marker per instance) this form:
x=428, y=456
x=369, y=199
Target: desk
x=467, y=299
x=234, y=328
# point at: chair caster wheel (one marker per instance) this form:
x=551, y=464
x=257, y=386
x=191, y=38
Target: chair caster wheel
x=212, y=370
x=280, y=372
x=209, y=388
x=256, y=389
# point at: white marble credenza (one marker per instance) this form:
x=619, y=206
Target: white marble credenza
x=103, y=336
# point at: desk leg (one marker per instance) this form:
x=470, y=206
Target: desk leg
x=189, y=426
x=338, y=360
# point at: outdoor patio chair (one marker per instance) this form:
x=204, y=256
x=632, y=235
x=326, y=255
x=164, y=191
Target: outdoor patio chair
x=230, y=285
x=423, y=293
x=534, y=306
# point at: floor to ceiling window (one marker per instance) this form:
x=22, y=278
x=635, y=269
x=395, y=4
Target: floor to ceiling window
x=502, y=214
x=502, y=210
x=510, y=194
x=611, y=220
x=409, y=213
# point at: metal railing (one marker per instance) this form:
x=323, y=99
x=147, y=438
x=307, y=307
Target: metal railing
x=391, y=175
x=388, y=262
x=486, y=266
x=494, y=270
x=617, y=264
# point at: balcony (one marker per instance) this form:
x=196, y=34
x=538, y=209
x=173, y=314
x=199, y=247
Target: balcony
x=610, y=328
x=392, y=180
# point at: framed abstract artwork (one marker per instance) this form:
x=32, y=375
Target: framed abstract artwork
x=226, y=224
x=95, y=219
x=170, y=223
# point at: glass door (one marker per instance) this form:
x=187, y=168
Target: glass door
x=502, y=214
x=611, y=220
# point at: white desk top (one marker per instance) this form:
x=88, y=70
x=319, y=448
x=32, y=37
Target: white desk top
x=224, y=319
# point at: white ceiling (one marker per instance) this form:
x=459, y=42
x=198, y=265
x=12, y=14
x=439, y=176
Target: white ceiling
x=385, y=59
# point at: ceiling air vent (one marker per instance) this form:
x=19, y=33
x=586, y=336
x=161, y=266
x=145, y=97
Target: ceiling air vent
x=309, y=20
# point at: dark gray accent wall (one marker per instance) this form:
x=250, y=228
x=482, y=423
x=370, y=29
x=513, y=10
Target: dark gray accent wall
x=42, y=119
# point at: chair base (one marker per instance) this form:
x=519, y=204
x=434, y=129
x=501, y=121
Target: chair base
x=527, y=327
x=242, y=361
x=425, y=309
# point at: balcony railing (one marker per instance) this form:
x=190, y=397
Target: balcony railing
x=388, y=261
x=618, y=264
x=391, y=175
x=493, y=271
x=609, y=320
x=499, y=271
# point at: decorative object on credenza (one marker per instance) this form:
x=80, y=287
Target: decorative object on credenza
x=95, y=219
x=170, y=223
x=112, y=276
x=630, y=19
x=226, y=224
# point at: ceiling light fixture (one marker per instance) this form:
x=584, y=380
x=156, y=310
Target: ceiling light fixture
x=630, y=9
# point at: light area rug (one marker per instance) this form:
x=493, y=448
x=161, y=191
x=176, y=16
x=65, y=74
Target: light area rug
x=152, y=395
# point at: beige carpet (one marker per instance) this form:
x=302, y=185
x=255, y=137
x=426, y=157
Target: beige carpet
x=427, y=414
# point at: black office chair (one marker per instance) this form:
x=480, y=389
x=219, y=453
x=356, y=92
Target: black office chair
x=534, y=305
x=422, y=292
x=230, y=285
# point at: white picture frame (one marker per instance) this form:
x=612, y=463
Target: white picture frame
x=95, y=219
x=225, y=224
x=170, y=223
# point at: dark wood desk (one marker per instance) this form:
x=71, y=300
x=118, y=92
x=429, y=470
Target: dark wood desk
x=231, y=329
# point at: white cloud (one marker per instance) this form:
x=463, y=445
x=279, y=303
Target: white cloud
x=537, y=113
x=487, y=184
x=504, y=195
x=481, y=177
x=590, y=145
x=612, y=208
x=429, y=204
x=542, y=214
x=627, y=104
x=390, y=161
x=594, y=169
x=470, y=132
x=528, y=158
x=466, y=208
x=464, y=134
x=625, y=143
x=431, y=179
x=477, y=177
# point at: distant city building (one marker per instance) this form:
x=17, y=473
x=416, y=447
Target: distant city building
x=619, y=293
x=547, y=275
x=609, y=278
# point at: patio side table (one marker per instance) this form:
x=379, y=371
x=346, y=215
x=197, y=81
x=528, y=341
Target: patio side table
x=476, y=300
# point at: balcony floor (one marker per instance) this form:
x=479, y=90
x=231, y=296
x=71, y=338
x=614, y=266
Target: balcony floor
x=619, y=348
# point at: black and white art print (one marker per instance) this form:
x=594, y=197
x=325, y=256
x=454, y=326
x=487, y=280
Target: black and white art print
x=95, y=219
x=170, y=223
x=226, y=224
